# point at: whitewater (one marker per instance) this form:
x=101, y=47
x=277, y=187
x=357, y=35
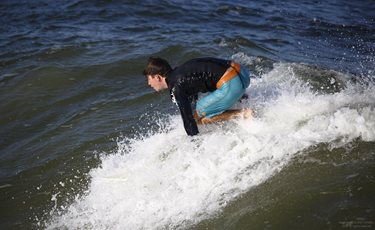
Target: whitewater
x=167, y=180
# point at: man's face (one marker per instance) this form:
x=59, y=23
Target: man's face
x=155, y=82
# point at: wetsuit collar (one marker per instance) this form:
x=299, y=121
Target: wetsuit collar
x=167, y=77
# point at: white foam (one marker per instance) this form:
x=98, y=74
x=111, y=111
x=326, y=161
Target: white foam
x=170, y=180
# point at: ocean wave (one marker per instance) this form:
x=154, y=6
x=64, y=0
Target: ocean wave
x=166, y=179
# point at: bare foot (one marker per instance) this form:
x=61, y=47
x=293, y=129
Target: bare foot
x=247, y=113
x=227, y=115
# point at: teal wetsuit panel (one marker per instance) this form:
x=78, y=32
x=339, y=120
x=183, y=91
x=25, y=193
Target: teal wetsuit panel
x=225, y=97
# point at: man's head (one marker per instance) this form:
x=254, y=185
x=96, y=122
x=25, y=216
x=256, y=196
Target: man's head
x=156, y=72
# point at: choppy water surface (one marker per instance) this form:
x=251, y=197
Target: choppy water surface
x=86, y=144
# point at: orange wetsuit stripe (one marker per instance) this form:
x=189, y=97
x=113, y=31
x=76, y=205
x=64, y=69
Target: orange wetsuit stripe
x=231, y=72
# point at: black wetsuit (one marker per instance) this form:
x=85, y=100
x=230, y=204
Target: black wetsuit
x=187, y=80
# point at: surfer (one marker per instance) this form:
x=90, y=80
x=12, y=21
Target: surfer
x=224, y=80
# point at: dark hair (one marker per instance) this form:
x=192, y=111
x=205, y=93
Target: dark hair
x=157, y=65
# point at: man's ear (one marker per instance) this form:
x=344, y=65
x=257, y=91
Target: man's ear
x=159, y=77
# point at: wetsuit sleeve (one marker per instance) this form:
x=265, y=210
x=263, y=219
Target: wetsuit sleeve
x=183, y=103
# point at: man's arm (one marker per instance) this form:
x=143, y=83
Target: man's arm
x=183, y=103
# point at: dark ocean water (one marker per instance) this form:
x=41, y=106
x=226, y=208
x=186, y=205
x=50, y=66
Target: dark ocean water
x=86, y=144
